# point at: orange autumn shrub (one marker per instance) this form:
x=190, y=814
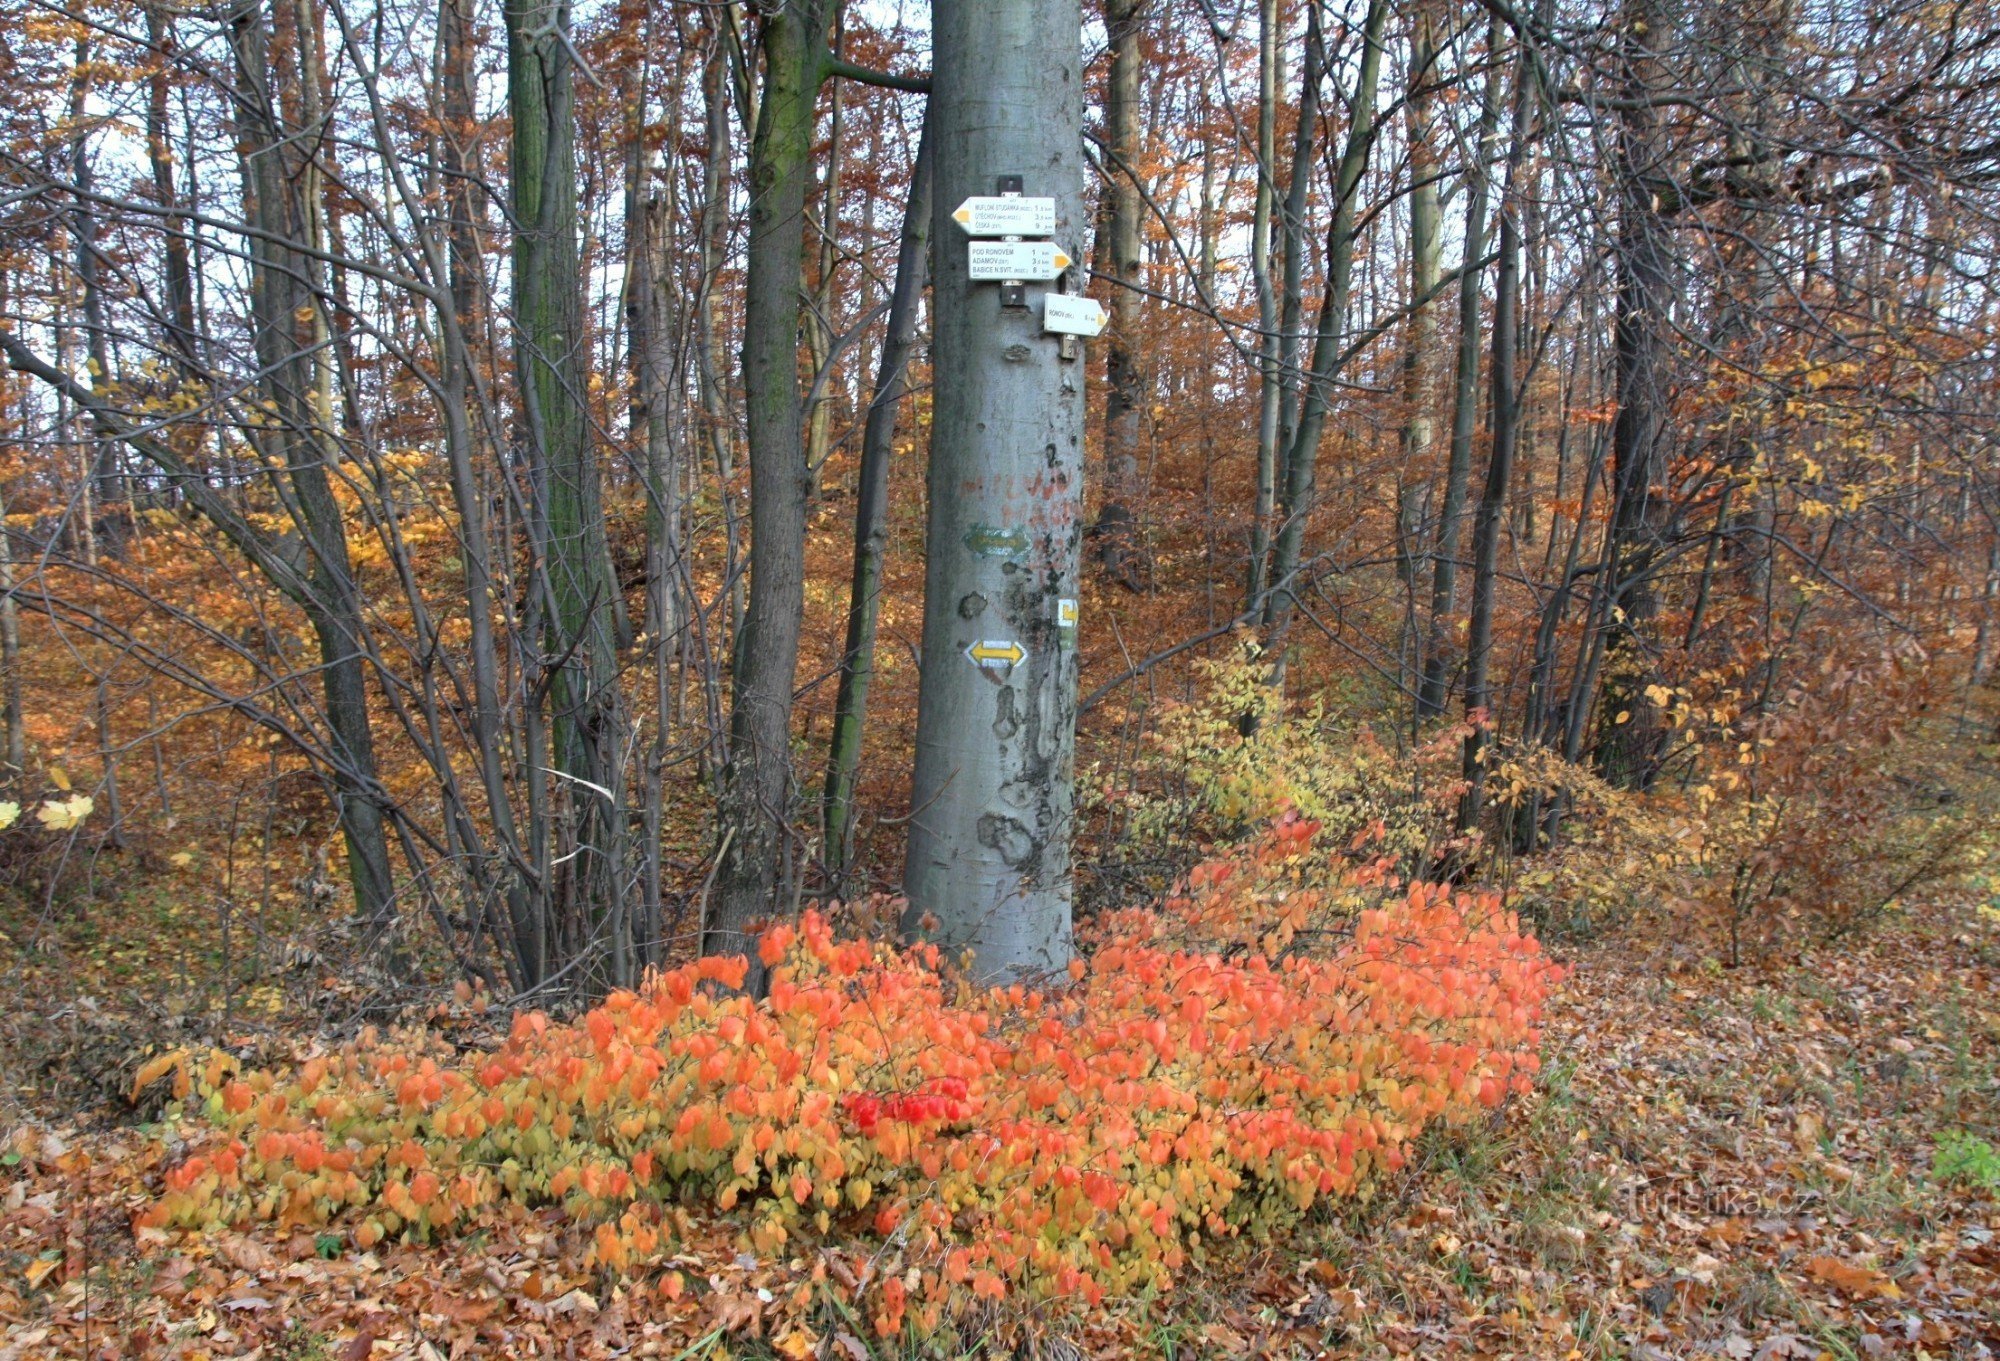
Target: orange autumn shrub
x=1087, y=1137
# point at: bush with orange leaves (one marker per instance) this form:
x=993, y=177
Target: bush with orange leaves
x=1199, y=1078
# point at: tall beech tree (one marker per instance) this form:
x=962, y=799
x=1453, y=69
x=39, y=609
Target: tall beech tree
x=992, y=802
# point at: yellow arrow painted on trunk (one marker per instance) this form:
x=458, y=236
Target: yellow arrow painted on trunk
x=990, y=650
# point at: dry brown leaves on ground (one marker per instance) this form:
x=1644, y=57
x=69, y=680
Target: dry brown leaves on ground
x=1729, y=1164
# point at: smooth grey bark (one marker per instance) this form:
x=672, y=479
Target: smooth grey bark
x=1436, y=685
x=1117, y=531
x=1302, y=452
x=988, y=869
x=871, y=509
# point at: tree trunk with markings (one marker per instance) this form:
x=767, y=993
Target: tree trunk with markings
x=989, y=855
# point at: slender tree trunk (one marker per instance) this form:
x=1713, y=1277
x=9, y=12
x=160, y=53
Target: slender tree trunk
x=459, y=157
x=1419, y=432
x=1302, y=454
x=1292, y=297
x=1118, y=531
x=1634, y=732
x=551, y=355
x=107, y=484
x=1492, y=512
x=755, y=812
x=285, y=308
x=1436, y=687
x=16, y=735
x=175, y=272
x=1270, y=41
x=709, y=341
x=649, y=351
x=819, y=329
x=871, y=511
x=989, y=854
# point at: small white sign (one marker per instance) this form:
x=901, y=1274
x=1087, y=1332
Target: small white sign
x=1006, y=215
x=1068, y=315
x=1005, y=261
x=1065, y=614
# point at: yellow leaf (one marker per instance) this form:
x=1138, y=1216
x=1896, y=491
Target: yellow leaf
x=62, y=815
x=59, y=778
x=797, y=1344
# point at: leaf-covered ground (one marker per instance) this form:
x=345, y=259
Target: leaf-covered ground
x=1728, y=1163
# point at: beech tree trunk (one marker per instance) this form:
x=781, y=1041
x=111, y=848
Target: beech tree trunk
x=988, y=869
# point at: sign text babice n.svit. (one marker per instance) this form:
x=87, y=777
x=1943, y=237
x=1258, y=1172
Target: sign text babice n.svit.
x=1001, y=261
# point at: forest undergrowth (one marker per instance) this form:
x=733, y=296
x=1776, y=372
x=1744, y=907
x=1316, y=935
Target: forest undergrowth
x=1297, y=1101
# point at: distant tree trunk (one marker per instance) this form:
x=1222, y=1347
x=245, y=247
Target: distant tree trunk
x=1436, y=686
x=819, y=329
x=16, y=735
x=1499, y=466
x=1292, y=270
x=871, y=510
x=580, y=614
x=458, y=159
x=992, y=799
x=175, y=273
x=1302, y=454
x=107, y=483
x=1118, y=531
x=285, y=310
x=1633, y=730
x=1270, y=42
x=754, y=815
x=1419, y=432
x=709, y=348
x=649, y=348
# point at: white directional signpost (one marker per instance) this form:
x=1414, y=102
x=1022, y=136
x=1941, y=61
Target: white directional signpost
x=1066, y=315
x=1006, y=215
x=1013, y=261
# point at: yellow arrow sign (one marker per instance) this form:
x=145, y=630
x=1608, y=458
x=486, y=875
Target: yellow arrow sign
x=996, y=652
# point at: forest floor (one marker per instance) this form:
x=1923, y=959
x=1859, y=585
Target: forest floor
x=1784, y=1161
